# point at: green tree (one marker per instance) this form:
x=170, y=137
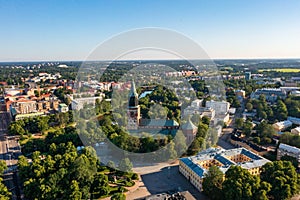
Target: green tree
x=239, y=123
x=2, y=166
x=281, y=110
x=206, y=120
x=111, y=164
x=247, y=128
x=283, y=178
x=212, y=183
x=125, y=165
x=239, y=184
x=249, y=107
x=100, y=184
x=169, y=152
x=16, y=129
x=75, y=193
x=4, y=192
x=180, y=143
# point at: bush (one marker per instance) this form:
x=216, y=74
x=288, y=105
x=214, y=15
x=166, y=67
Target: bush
x=135, y=176
x=118, y=196
x=256, y=140
x=129, y=183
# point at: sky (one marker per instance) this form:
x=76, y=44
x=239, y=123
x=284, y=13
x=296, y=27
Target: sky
x=72, y=29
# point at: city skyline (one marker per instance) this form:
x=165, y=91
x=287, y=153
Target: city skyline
x=50, y=31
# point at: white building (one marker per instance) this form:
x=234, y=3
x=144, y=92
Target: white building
x=208, y=112
x=296, y=131
x=283, y=125
x=222, y=118
x=220, y=107
x=197, y=103
x=287, y=150
x=78, y=104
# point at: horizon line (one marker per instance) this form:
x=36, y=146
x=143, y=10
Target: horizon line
x=161, y=59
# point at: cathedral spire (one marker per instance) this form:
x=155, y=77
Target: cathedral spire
x=133, y=92
x=133, y=96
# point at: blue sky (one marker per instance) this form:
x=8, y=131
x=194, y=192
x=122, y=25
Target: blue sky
x=71, y=29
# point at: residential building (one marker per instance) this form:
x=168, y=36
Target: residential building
x=220, y=107
x=240, y=93
x=296, y=131
x=287, y=150
x=78, y=103
x=222, y=118
x=24, y=106
x=202, y=111
x=289, y=84
x=63, y=108
x=197, y=103
x=271, y=94
x=194, y=168
x=294, y=120
x=295, y=79
x=29, y=115
x=283, y=125
x=290, y=89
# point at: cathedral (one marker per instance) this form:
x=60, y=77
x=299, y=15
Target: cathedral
x=166, y=126
x=133, y=111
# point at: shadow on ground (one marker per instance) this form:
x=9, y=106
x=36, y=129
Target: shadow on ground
x=169, y=180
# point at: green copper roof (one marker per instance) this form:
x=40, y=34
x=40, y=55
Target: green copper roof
x=188, y=126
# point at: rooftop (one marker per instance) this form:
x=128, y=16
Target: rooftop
x=158, y=122
x=225, y=158
x=188, y=126
x=289, y=148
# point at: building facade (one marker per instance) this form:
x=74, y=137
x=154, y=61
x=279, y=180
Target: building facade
x=220, y=107
x=271, y=94
x=283, y=125
x=133, y=111
x=78, y=103
x=287, y=150
x=296, y=131
x=194, y=168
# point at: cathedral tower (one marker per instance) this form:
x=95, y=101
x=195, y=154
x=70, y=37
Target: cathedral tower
x=133, y=111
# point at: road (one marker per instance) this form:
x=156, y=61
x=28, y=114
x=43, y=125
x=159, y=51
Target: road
x=4, y=121
x=9, y=152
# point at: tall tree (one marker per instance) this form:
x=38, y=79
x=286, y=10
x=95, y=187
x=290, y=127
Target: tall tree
x=283, y=178
x=180, y=143
x=239, y=184
x=281, y=110
x=125, y=165
x=249, y=107
x=212, y=183
x=239, y=123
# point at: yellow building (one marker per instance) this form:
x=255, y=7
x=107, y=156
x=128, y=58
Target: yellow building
x=195, y=167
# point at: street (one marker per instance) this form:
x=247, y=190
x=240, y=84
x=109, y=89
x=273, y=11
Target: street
x=9, y=152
